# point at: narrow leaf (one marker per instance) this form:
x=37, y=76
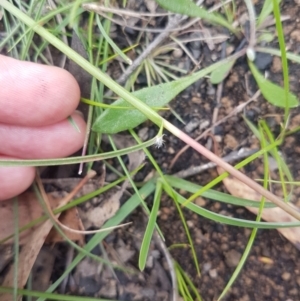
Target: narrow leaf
x=271, y=92
x=150, y=227
x=189, y=8
x=221, y=73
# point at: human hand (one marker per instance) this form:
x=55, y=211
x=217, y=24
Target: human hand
x=35, y=101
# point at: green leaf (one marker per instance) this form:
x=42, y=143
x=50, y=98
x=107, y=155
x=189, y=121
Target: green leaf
x=112, y=121
x=271, y=92
x=150, y=227
x=266, y=37
x=213, y=195
x=226, y=219
x=189, y=8
x=221, y=73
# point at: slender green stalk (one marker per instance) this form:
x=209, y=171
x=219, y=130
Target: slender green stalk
x=16, y=248
x=258, y=218
x=50, y=296
x=74, y=160
x=173, y=196
x=289, y=55
x=276, y=156
x=112, y=43
x=285, y=70
x=216, y=217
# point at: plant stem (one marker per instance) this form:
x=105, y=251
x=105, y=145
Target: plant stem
x=252, y=21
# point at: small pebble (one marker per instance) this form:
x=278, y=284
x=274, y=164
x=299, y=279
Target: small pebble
x=196, y=100
x=171, y=150
x=200, y=202
x=213, y=273
x=149, y=262
x=190, y=224
x=286, y=276
x=206, y=267
x=232, y=258
x=192, y=125
x=177, y=53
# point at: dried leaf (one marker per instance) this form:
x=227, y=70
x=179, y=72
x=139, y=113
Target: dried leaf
x=239, y=189
x=71, y=219
x=32, y=247
x=97, y=216
x=29, y=210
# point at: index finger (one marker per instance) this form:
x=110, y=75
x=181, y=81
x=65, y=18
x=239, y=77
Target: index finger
x=35, y=95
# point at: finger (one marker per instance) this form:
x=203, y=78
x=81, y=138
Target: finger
x=35, y=95
x=14, y=180
x=57, y=140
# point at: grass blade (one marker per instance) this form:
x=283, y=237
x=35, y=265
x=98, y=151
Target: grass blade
x=189, y=8
x=221, y=73
x=271, y=92
x=150, y=227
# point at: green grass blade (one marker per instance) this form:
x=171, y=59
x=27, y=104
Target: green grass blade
x=289, y=55
x=258, y=218
x=274, y=94
x=186, y=279
x=111, y=42
x=214, y=194
x=166, y=184
x=49, y=296
x=228, y=220
x=133, y=184
x=282, y=166
x=285, y=70
x=189, y=8
x=150, y=227
x=16, y=248
x=72, y=160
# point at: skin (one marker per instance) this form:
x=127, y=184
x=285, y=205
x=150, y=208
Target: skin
x=35, y=102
